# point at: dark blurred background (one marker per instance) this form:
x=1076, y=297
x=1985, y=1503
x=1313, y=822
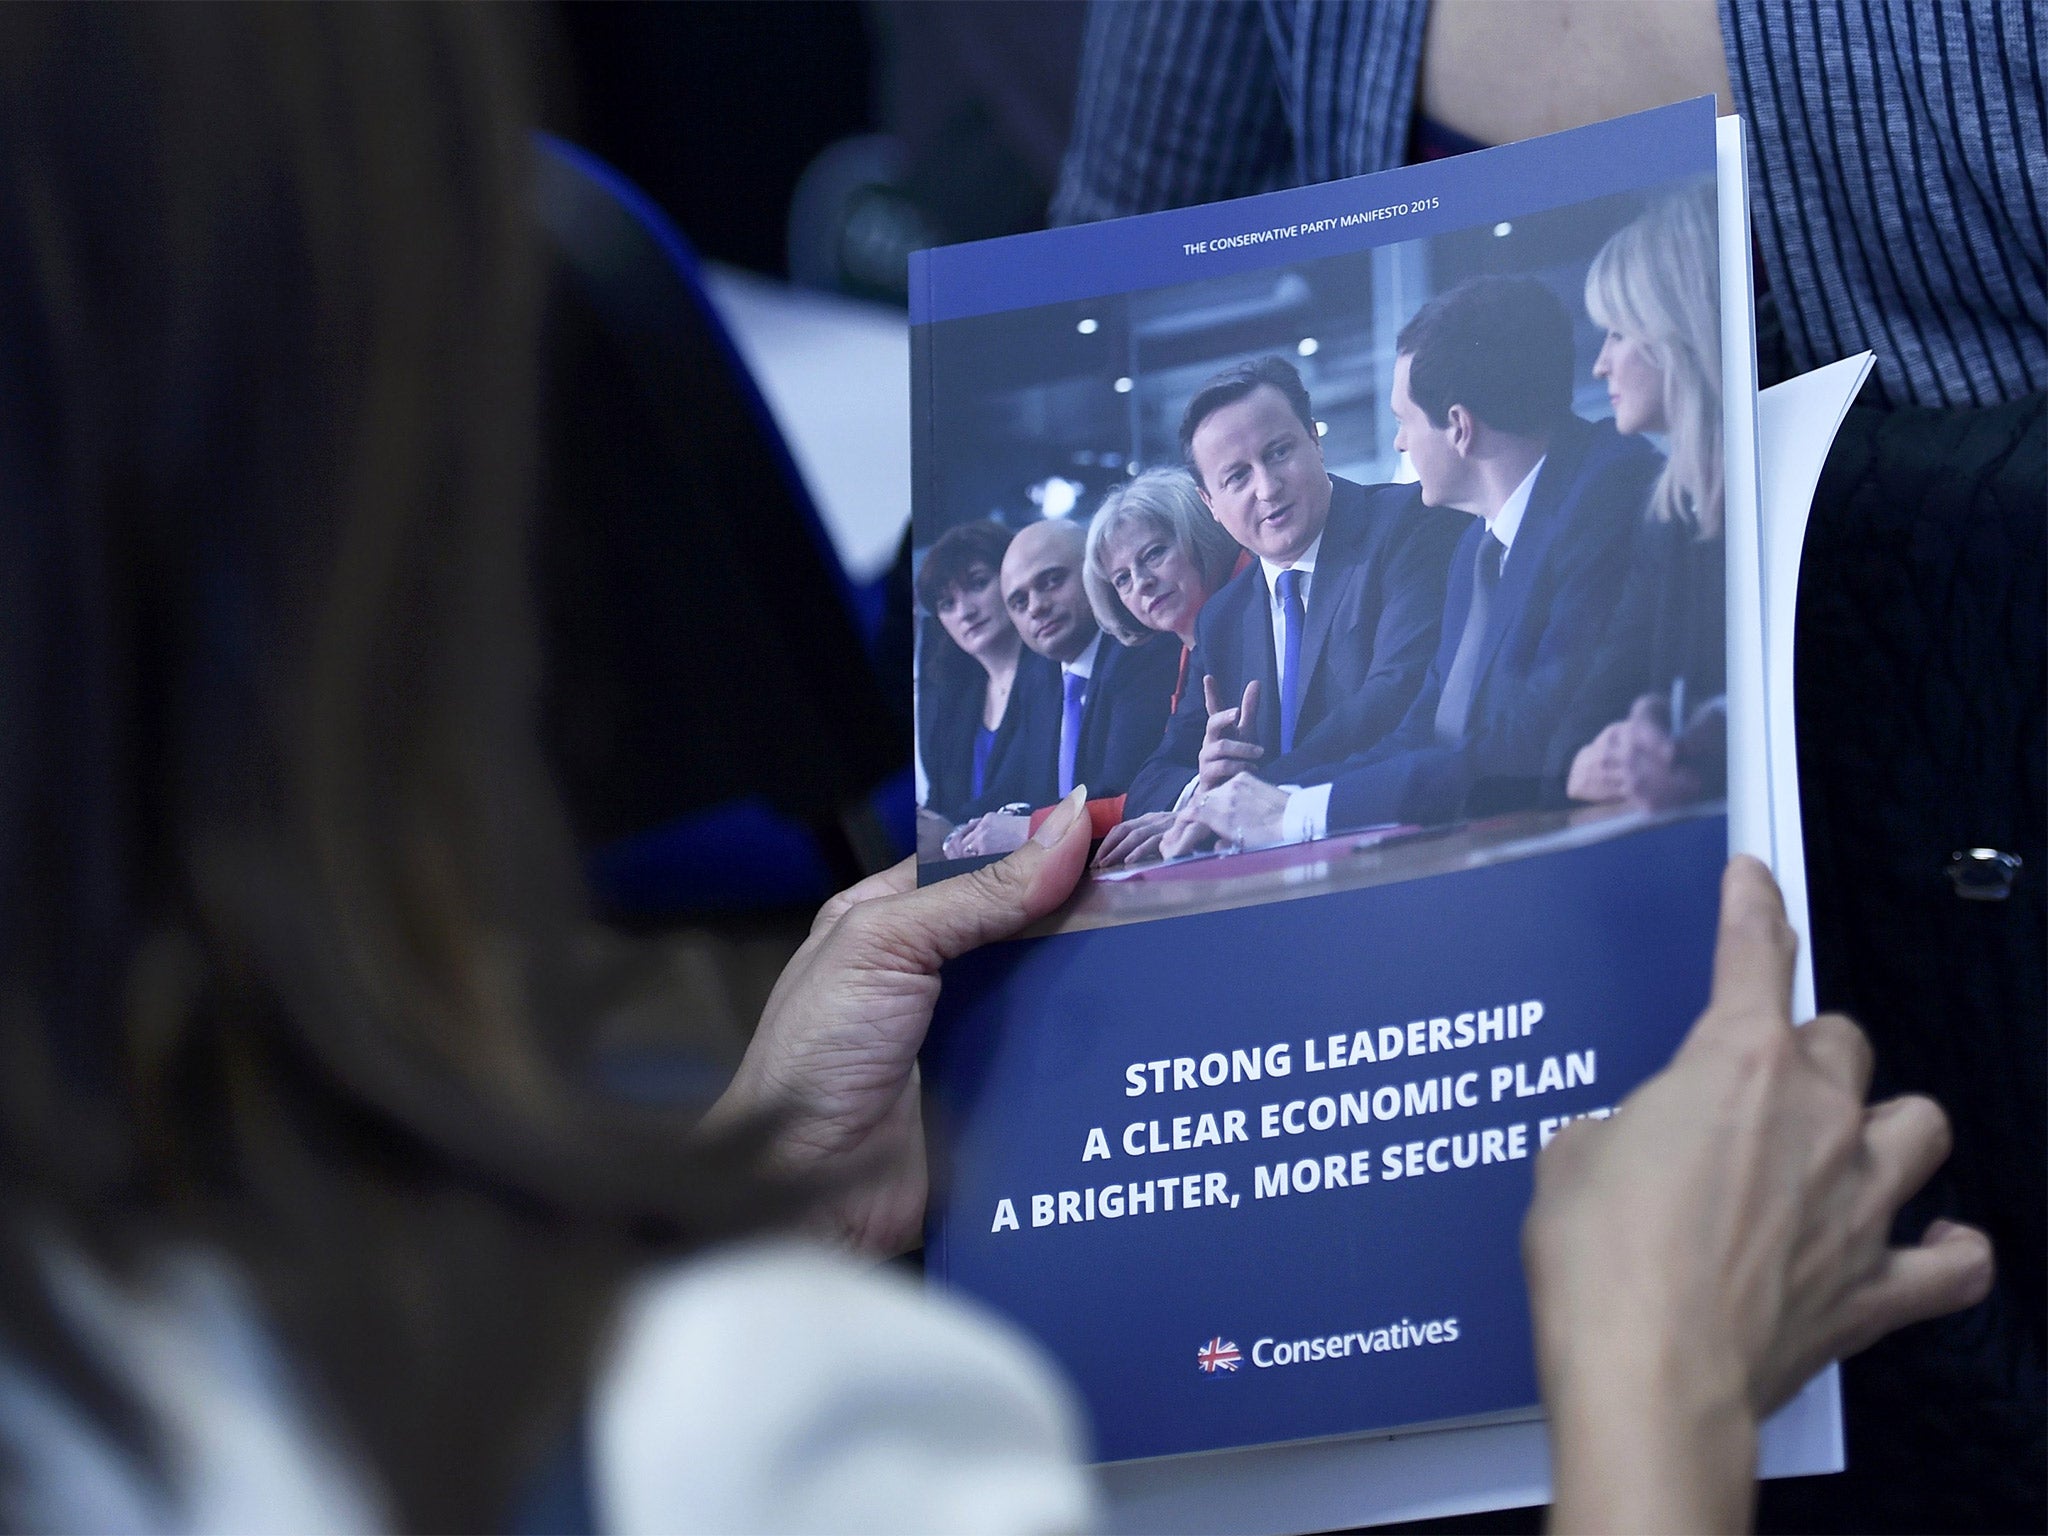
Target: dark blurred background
x=821, y=141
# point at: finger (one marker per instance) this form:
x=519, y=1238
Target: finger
x=1219, y=728
x=1950, y=1268
x=1112, y=850
x=888, y=882
x=1838, y=1048
x=1150, y=848
x=1907, y=1139
x=1237, y=751
x=1248, y=707
x=921, y=929
x=1754, y=951
x=1212, y=693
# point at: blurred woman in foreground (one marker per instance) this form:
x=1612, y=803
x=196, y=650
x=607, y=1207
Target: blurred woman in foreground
x=1651, y=727
x=313, y=1217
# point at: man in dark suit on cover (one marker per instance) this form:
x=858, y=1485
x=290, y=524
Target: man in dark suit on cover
x=1316, y=649
x=1482, y=392
x=1091, y=708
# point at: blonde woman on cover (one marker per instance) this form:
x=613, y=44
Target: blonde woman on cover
x=1650, y=728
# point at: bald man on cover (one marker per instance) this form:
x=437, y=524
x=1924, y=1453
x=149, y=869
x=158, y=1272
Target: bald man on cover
x=1093, y=708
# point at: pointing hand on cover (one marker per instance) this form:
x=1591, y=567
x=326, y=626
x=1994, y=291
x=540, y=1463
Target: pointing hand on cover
x=1226, y=745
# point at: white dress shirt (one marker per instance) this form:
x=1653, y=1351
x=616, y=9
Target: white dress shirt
x=1276, y=615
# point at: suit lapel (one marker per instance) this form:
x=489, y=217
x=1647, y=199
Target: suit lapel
x=1336, y=569
x=1030, y=731
x=1540, y=523
x=1259, y=659
x=1095, y=712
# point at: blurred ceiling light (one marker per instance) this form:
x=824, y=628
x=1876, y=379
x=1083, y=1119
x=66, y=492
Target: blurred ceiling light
x=1056, y=495
x=1503, y=228
x=1122, y=386
x=1087, y=327
x=1307, y=346
x=1322, y=429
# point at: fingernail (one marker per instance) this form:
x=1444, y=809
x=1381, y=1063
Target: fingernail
x=1054, y=827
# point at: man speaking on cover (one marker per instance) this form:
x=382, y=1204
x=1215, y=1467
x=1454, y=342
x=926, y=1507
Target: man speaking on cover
x=1482, y=392
x=1317, y=649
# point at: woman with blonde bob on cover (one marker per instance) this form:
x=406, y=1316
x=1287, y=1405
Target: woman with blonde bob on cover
x=1650, y=727
x=1155, y=557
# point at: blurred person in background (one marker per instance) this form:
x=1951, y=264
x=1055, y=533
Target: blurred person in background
x=313, y=1217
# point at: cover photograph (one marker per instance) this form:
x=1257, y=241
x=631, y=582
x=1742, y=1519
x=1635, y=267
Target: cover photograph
x=1361, y=549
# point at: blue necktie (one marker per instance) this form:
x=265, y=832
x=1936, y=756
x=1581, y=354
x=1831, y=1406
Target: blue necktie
x=1074, y=690
x=1454, y=705
x=1289, y=586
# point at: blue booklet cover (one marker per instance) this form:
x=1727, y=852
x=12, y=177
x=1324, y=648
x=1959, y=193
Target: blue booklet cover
x=1360, y=548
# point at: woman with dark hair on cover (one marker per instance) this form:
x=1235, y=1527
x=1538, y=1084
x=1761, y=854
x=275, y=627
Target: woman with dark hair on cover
x=313, y=1215
x=966, y=683
x=1651, y=725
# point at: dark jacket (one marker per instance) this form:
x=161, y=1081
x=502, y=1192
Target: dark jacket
x=1557, y=590
x=1670, y=624
x=950, y=695
x=1128, y=693
x=1371, y=621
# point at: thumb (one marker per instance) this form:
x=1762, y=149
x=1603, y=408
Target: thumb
x=922, y=929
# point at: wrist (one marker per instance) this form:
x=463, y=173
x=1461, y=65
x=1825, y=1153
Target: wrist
x=1648, y=1436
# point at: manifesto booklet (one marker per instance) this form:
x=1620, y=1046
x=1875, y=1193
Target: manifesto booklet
x=1367, y=551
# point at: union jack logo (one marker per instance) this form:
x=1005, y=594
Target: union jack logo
x=1217, y=1355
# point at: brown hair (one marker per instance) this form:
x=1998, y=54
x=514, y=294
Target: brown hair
x=956, y=552
x=1499, y=346
x=285, y=896
x=1231, y=386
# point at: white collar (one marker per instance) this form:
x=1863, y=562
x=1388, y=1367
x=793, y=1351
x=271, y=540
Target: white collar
x=1306, y=564
x=1083, y=665
x=1508, y=520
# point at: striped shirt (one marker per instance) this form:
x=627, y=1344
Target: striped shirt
x=1897, y=173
